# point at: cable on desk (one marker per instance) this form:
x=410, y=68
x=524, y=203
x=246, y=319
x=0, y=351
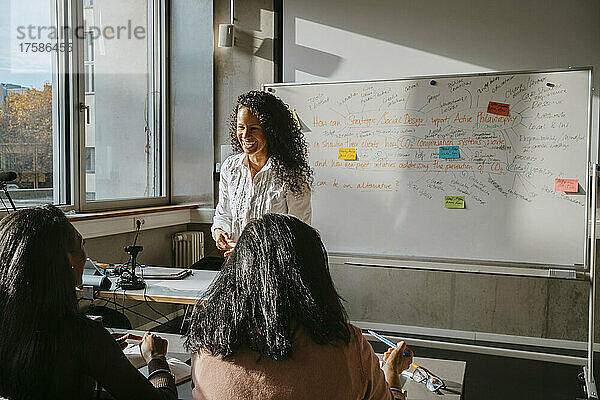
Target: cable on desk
x=105, y=303
x=123, y=308
x=155, y=310
x=114, y=302
x=137, y=313
x=4, y=204
x=115, y=298
x=127, y=308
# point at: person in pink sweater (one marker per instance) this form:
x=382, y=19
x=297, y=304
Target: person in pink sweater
x=274, y=326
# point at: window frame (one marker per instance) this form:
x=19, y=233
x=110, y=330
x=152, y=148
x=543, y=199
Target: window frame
x=62, y=141
x=158, y=76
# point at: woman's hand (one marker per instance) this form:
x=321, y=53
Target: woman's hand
x=153, y=346
x=223, y=241
x=228, y=252
x=396, y=362
x=396, y=358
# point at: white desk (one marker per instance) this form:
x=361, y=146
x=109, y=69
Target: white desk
x=452, y=372
x=178, y=291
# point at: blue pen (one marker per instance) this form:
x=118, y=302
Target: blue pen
x=388, y=342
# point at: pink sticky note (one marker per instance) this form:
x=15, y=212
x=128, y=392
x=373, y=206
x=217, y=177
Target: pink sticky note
x=566, y=185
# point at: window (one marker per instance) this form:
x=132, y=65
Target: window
x=89, y=46
x=88, y=60
x=90, y=160
x=123, y=121
x=30, y=108
x=96, y=94
x=89, y=78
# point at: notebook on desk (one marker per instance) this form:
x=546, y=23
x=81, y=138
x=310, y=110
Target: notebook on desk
x=165, y=273
x=180, y=370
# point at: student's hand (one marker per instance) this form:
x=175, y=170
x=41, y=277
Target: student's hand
x=153, y=346
x=222, y=239
x=396, y=360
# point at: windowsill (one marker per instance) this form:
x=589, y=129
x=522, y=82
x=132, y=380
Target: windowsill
x=128, y=212
x=107, y=223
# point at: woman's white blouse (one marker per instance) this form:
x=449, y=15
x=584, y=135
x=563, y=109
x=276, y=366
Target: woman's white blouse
x=242, y=199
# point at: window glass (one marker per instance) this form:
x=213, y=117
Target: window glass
x=123, y=138
x=28, y=109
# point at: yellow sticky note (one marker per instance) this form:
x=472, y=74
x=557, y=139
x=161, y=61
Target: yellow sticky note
x=347, y=154
x=295, y=116
x=454, y=201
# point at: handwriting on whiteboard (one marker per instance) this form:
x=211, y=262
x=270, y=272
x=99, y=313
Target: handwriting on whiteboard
x=403, y=135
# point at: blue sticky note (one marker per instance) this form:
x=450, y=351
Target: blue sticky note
x=449, y=152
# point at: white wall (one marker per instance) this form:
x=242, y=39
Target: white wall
x=357, y=39
x=245, y=66
x=192, y=101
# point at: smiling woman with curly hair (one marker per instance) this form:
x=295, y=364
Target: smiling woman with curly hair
x=270, y=173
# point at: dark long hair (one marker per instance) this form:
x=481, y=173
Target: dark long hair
x=275, y=282
x=286, y=145
x=37, y=303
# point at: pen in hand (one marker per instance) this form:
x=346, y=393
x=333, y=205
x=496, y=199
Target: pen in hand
x=388, y=342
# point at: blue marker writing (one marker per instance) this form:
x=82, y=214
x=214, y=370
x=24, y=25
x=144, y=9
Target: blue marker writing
x=388, y=342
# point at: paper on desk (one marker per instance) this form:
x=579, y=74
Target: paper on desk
x=183, y=284
x=156, y=270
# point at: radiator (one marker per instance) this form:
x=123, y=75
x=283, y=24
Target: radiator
x=188, y=247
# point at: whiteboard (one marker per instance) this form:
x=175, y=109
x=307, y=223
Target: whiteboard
x=390, y=200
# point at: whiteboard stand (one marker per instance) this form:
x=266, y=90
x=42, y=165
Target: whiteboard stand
x=588, y=370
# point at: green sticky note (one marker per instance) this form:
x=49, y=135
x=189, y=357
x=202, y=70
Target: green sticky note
x=454, y=201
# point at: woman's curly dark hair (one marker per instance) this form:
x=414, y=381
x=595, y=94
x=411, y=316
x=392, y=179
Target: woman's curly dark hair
x=286, y=145
x=275, y=283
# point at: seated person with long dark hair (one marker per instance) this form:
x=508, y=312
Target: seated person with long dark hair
x=48, y=350
x=274, y=327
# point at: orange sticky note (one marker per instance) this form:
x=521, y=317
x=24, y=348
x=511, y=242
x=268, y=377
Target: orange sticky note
x=498, y=108
x=566, y=185
x=347, y=154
